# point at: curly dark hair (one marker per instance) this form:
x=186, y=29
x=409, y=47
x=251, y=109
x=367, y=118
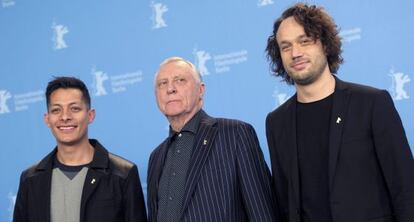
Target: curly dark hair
x=317, y=25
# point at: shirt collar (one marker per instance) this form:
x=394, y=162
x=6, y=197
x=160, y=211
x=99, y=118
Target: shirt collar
x=191, y=126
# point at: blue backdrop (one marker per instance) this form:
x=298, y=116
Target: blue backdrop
x=116, y=46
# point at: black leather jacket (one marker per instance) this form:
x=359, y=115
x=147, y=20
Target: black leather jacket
x=111, y=193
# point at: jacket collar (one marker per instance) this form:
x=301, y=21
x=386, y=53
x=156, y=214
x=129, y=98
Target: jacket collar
x=204, y=141
x=337, y=121
x=100, y=157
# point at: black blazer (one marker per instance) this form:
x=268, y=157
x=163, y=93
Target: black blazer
x=371, y=168
x=111, y=192
x=228, y=179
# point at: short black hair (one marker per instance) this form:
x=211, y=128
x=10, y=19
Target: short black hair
x=66, y=82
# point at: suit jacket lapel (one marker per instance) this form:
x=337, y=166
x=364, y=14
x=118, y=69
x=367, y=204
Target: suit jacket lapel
x=92, y=181
x=97, y=168
x=44, y=200
x=290, y=126
x=203, y=144
x=44, y=183
x=338, y=114
x=154, y=175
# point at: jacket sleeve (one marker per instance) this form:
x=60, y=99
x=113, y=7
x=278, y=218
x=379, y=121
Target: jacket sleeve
x=20, y=212
x=134, y=205
x=254, y=177
x=394, y=156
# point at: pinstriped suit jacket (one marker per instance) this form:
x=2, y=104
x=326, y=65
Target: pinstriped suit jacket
x=228, y=179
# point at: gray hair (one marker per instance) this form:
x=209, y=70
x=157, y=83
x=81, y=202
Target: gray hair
x=197, y=74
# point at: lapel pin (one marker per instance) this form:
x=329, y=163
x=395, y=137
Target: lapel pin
x=338, y=120
x=205, y=142
x=93, y=181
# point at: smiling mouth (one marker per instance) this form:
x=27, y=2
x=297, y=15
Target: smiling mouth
x=299, y=65
x=65, y=128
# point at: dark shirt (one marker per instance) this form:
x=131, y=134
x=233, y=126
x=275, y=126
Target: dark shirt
x=69, y=171
x=173, y=177
x=312, y=129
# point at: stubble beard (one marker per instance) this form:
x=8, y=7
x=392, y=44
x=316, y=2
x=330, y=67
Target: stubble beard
x=311, y=75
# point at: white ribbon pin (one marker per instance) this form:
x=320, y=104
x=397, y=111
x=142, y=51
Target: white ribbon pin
x=338, y=120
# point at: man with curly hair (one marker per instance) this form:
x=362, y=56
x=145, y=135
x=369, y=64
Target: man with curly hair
x=339, y=152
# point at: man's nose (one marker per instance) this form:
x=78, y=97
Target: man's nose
x=296, y=51
x=171, y=88
x=66, y=115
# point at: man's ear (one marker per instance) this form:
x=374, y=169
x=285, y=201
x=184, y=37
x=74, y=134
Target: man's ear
x=46, y=119
x=202, y=90
x=91, y=115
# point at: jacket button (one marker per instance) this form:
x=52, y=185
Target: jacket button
x=298, y=211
